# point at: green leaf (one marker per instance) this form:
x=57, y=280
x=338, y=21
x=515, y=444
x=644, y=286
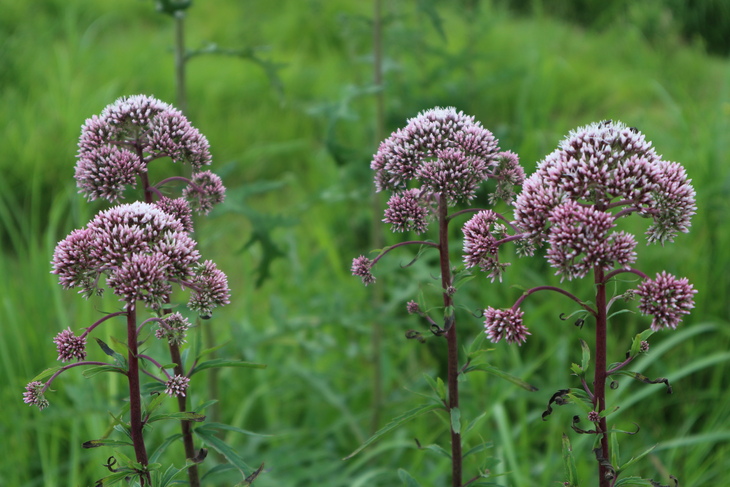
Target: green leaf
x=640, y=337
x=394, y=423
x=438, y=449
x=455, y=414
x=586, y=360
x=484, y=446
x=181, y=416
x=119, y=359
x=615, y=452
x=105, y=442
x=437, y=386
x=99, y=369
x=407, y=479
x=205, y=405
x=220, y=362
x=163, y=446
x=490, y=369
x=228, y=427
x=569, y=463
x=634, y=481
x=635, y=459
x=45, y=374
x=206, y=434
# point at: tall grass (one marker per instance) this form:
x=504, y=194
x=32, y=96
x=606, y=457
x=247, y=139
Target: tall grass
x=528, y=80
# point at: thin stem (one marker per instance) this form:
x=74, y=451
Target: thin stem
x=135, y=399
x=451, y=340
x=180, y=60
x=377, y=237
x=556, y=289
x=599, y=382
x=401, y=244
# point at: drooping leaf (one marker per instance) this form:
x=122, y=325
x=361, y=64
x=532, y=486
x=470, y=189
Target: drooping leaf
x=490, y=369
x=180, y=416
x=407, y=479
x=394, y=423
x=569, y=463
x=208, y=436
x=635, y=459
x=105, y=442
x=219, y=362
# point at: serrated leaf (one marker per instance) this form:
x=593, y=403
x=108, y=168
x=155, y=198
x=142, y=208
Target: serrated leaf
x=228, y=427
x=220, y=362
x=490, y=369
x=484, y=446
x=586, y=355
x=569, y=463
x=105, y=442
x=99, y=369
x=407, y=479
x=163, y=446
x=614, y=448
x=394, y=423
x=180, y=416
x=626, y=481
x=635, y=459
x=46, y=374
x=119, y=359
x=224, y=449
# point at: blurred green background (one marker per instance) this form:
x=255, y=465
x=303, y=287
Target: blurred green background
x=292, y=130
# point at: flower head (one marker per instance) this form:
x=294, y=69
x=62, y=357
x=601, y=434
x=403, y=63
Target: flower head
x=117, y=145
x=505, y=324
x=180, y=209
x=667, y=299
x=579, y=240
x=204, y=191
x=138, y=247
x=412, y=307
x=439, y=152
x=177, y=386
x=210, y=289
x=406, y=211
x=33, y=395
x=361, y=267
x=608, y=165
x=173, y=328
x=599, y=173
x=70, y=346
x=481, y=245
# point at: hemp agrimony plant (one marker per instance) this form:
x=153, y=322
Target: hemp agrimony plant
x=431, y=167
x=599, y=175
x=142, y=251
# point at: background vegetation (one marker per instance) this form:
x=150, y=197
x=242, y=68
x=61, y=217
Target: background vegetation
x=297, y=165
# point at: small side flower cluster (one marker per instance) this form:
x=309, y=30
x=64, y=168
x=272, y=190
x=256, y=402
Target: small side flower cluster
x=69, y=346
x=177, y=385
x=667, y=299
x=33, y=395
x=481, y=244
x=141, y=250
x=505, y=324
x=173, y=328
x=116, y=147
x=361, y=267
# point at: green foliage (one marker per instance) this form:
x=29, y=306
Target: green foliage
x=529, y=79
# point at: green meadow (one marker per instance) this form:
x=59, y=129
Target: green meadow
x=290, y=112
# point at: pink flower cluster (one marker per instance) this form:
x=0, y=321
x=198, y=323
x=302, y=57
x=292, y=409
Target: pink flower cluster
x=440, y=152
x=481, y=244
x=505, y=324
x=600, y=173
x=116, y=147
x=667, y=299
x=141, y=250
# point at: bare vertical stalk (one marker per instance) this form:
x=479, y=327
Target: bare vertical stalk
x=451, y=339
x=377, y=229
x=599, y=382
x=180, y=60
x=135, y=399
